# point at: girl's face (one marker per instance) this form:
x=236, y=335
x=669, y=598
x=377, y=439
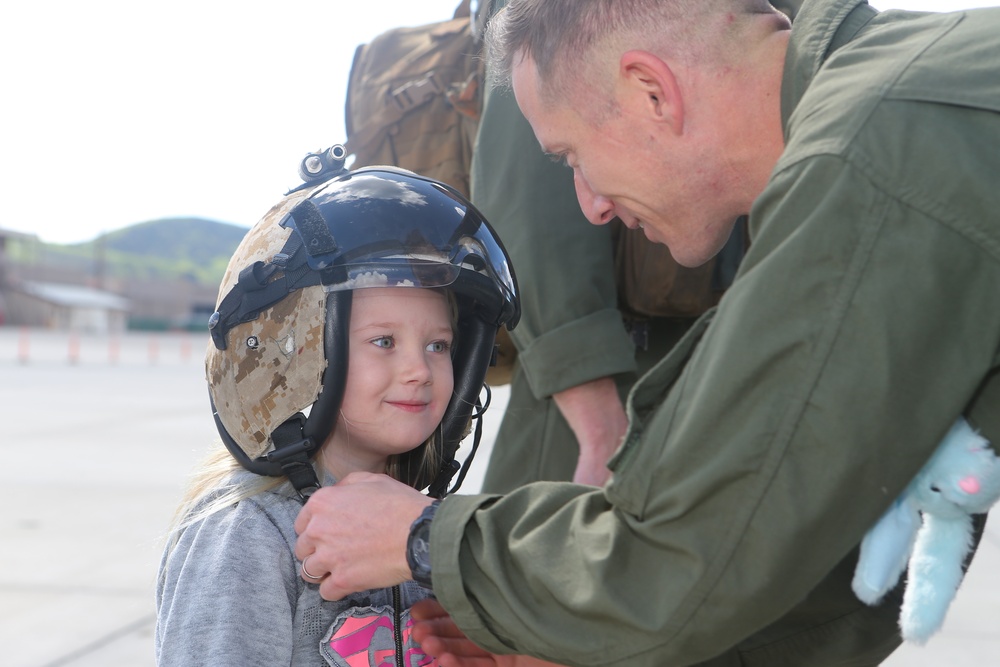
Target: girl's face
x=399, y=377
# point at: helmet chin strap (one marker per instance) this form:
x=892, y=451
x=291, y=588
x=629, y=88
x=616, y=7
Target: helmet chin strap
x=294, y=454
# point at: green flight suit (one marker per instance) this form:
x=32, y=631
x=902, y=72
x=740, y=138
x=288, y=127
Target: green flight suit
x=864, y=320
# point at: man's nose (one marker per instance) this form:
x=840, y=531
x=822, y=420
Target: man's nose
x=599, y=210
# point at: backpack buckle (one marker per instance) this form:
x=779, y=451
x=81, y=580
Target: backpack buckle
x=414, y=93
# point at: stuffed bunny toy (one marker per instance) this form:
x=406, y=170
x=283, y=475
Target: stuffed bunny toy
x=960, y=479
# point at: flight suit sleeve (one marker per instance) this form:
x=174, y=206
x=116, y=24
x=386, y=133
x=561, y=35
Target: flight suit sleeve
x=858, y=330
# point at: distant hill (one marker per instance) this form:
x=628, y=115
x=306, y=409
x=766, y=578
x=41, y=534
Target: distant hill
x=177, y=239
x=191, y=249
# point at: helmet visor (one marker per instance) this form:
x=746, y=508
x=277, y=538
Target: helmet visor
x=383, y=228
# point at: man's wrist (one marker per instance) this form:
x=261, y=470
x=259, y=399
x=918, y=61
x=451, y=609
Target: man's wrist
x=418, y=545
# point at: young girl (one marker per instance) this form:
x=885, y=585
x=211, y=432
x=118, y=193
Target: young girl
x=353, y=331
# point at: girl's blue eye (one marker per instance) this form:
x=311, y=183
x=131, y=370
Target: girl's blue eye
x=439, y=346
x=385, y=342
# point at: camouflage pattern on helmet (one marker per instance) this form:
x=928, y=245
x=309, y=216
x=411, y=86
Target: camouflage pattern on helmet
x=265, y=239
x=272, y=367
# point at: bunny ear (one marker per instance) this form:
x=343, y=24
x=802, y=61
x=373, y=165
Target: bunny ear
x=884, y=552
x=935, y=573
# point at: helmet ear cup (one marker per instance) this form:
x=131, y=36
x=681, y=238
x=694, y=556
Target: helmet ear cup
x=270, y=369
x=307, y=434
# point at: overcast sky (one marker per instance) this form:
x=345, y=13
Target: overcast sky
x=122, y=111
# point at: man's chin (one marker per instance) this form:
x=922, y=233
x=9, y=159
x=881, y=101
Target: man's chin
x=652, y=234
x=704, y=249
x=690, y=252
x=689, y=255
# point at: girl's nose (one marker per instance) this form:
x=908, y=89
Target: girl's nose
x=416, y=367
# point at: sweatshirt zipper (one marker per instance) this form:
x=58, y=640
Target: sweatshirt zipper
x=398, y=618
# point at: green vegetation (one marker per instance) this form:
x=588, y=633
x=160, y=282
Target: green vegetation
x=190, y=249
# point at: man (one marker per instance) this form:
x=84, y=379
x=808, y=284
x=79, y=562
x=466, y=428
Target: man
x=565, y=416
x=864, y=321
x=581, y=346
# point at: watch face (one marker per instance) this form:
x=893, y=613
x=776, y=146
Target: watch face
x=422, y=545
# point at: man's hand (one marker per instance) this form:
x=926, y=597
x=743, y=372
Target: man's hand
x=438, y=636
x=354, y=533
x=597, y=417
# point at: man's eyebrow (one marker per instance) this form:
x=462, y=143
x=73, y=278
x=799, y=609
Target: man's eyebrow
x=549, y=147
x=552, y=148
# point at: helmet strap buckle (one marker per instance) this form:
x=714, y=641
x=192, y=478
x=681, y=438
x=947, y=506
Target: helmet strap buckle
x=294, y=454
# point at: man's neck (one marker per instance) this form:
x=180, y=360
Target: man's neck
x=750, y=100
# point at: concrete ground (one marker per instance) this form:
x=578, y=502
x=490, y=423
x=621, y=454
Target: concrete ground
x=96, y=438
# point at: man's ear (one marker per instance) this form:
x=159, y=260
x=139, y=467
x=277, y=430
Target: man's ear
x=651, y=85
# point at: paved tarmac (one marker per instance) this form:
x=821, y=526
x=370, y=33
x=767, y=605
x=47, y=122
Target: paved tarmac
x=97, y=436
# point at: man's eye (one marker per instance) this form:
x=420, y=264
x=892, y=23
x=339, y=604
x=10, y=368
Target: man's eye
x=558, y=158
x=384, y=342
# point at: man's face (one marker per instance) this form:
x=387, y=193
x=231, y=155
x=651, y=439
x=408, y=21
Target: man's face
x=628, y=166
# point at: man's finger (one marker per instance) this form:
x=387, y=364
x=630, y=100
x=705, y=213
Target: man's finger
x=448, y=660
x=454, y=661
x=448, y=654
x=329, y=591
x=427, y=609
x=304, y=546
x=459, y=648
x=443, y=628
x=302, y=520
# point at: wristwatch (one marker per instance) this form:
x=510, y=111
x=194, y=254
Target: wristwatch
x=418, y=545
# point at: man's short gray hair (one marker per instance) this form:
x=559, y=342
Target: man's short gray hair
x=559, y=35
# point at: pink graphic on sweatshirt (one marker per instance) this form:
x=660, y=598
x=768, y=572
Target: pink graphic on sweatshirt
x=369, y=642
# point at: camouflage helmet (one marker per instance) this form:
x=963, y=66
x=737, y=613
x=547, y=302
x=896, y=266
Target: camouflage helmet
x=280, y=331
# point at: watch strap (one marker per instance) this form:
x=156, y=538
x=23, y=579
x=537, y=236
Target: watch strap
x=418, y=545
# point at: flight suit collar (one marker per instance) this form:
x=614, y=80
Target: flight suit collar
x=820, y=28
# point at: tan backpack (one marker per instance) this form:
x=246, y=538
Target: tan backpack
x=413, y=101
